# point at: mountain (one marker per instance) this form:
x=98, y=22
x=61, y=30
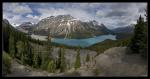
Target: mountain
x=25, y=27
x=6, y=24
x=124, y=32
x=7, y=29
x=127, y=29
x=66, y=26
x=5, y=21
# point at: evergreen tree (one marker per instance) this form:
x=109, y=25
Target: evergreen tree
x=59, y=59
x=139, y=41
x=20, y=49
x=39, y=60
x=63, y=63
x=146, y=14
x=22, y=52
x=5, y=37
x=87, y=58
x=60, y=63
x=36, y=60
x=77, y=62
x=46, y=57
x=28, y=53
x=11, y=46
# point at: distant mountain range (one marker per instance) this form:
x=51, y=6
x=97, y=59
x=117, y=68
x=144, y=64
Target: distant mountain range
x=127, y=29
x=66, y=26
x=124, y=32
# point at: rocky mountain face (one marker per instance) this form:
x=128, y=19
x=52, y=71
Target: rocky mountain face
x=5, y=21
x=66, y=26
x=26, y=27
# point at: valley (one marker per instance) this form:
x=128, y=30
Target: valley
x=90, y=60
x=74, y=40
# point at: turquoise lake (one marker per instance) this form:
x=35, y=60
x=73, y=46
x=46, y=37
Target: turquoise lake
x=83, y=42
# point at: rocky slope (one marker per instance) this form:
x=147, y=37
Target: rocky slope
x=113, y=62
x=26, y=27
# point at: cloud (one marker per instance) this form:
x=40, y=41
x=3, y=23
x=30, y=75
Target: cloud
x=77, y=13
x=17, y=8
x=116, y=14
x=32, y=17
x=111, y=14
x=121, y=14
x=15, y=12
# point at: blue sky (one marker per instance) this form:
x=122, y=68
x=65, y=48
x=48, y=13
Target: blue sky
x=110, y=14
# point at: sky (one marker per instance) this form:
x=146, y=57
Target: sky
x=112, y=15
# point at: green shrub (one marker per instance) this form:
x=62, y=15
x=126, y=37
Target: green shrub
x=51, y=66
x=6, y=64
x=77, y=62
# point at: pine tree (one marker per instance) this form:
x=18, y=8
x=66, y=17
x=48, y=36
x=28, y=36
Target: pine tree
x=145, y=53
x=11, y=46
x=58, y=59
x=87, y=58
x=60, y=62
x=20, y=49
x=146, y=14
x=36, y=60
x=28, y=53
x=63, y=63
x=139, y=41
x=46, y=56
x=77, y=62
x=39, y=59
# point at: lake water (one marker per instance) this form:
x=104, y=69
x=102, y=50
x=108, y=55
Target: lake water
x=83, y=42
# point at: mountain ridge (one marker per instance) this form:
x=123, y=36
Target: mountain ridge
x=66, y=26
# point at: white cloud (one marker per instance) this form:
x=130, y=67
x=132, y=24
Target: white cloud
x=77, y=13
x=17, y=8
x=32, y=17
x=120, y=15
x=101, y=13
x=14, y=12
x=111, y=14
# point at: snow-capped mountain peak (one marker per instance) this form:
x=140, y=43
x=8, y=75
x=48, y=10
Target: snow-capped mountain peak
x=66, y=25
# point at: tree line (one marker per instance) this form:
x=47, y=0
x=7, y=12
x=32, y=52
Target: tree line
x=19, y=46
